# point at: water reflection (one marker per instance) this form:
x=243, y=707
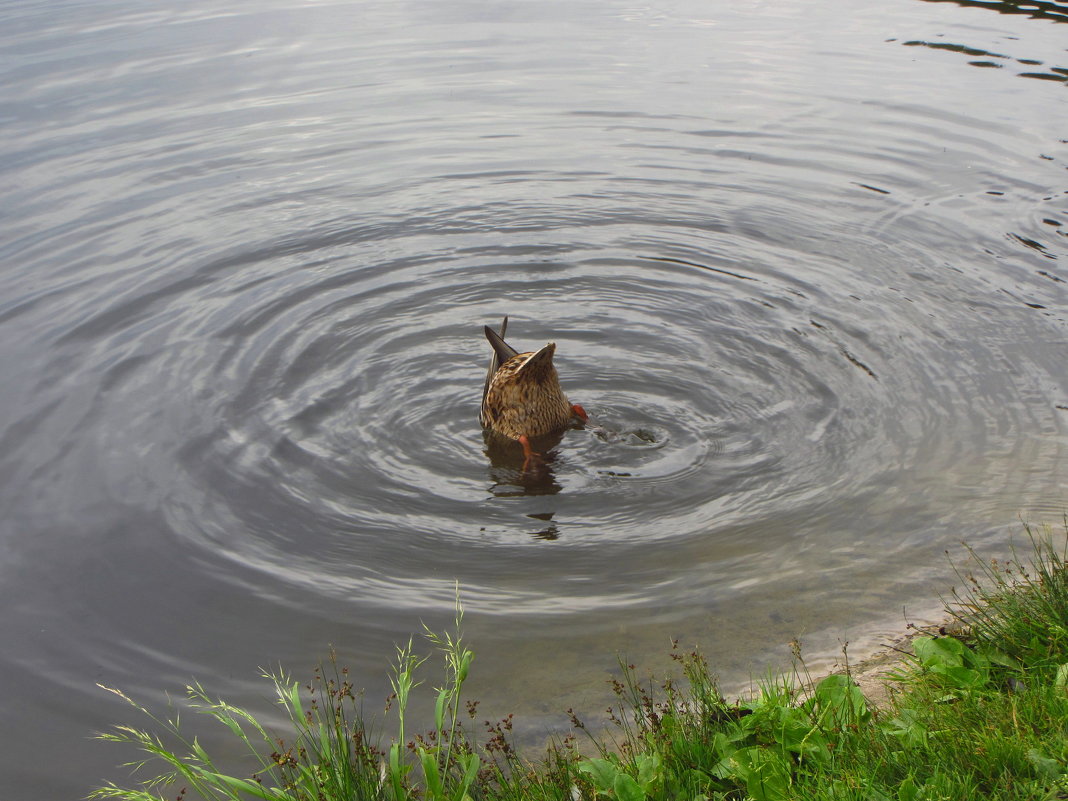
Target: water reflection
x=550, y=532
x=513, y=476
x=983, y=59
x=1051, y=11
x=1057, y=12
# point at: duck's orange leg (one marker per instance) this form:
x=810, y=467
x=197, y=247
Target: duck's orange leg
x=528, y=452
x=579, y=412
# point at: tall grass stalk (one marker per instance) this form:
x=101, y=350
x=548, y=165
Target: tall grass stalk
x=332, y=751
x=1018, y=607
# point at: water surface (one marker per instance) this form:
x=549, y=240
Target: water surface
x=804, y=267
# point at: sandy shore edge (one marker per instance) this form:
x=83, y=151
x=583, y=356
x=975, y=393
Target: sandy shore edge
x=870, y=673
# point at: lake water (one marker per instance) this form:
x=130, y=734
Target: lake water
x=805, y=265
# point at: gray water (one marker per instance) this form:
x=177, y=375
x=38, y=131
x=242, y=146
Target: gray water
x=804, y=263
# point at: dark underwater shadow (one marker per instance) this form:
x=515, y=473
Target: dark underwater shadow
x=512, y=475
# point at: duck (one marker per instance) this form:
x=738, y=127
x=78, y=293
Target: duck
x=522, y=398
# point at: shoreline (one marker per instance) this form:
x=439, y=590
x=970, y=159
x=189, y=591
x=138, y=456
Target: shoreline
x=851, y=729
x=870, y=673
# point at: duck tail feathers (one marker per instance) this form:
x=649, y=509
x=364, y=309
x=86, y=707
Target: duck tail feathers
x=502, y=352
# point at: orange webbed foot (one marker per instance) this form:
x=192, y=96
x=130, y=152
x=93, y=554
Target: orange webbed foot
x=530, y=456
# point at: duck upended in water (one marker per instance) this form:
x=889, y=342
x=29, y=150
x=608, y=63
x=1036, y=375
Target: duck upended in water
x=522, y=397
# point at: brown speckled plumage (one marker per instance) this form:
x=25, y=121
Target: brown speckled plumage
x=522, y=397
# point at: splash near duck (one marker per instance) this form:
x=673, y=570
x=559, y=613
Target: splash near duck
x=522, y=397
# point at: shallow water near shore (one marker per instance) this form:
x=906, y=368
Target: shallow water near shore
x=804, y=269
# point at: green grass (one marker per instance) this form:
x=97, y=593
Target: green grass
x=983, y=716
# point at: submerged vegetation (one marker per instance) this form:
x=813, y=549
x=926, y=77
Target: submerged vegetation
x=981, y=715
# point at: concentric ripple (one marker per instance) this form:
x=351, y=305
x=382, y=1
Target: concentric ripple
x=337, y=445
